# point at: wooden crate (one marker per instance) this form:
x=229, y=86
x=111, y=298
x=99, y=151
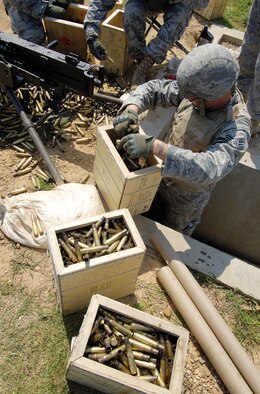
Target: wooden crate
x=112, y=275
x=215, y=9
x=119, y=187
x=69, y=33
x=106, y=379
x=114, y=39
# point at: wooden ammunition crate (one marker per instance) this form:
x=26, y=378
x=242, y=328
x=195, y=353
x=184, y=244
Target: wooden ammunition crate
x=215, y=9
x=119, y=187
x=106, y=379
x=70, y=33
x=112, y=275
x=114, y=39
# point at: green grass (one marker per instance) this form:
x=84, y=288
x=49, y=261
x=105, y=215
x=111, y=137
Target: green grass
x=236, y=14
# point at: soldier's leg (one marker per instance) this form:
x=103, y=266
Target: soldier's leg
x=134, y=24
x=181, y=209
x=26, y=27
x=176, y=19
x=249, y=51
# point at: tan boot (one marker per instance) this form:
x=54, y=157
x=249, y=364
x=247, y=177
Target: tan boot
x=141, y=71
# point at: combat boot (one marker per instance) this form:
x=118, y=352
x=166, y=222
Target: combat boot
x=141, y=71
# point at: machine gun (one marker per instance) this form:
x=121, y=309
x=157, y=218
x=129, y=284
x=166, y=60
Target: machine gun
x=22, y=61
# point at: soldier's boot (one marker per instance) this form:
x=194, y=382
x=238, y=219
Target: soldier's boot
x=141, y=71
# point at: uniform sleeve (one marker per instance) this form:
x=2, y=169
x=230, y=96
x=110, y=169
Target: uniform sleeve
x=207, y=168
x=96, y=14
x=156, y=92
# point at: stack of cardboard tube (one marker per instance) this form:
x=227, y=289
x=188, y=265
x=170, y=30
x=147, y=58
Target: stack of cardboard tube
x=228, y=357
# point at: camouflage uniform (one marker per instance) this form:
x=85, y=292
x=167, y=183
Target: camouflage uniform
x=203, y=149
x=249, y=61
x=176, y=14
x=26, y=18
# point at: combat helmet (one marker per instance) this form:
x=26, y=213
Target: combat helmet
x=207, y=72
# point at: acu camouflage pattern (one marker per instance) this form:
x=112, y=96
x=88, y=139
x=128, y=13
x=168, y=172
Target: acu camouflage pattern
x=203, y=151
x=208, y=72
x=26, y=18
x=249, y=62
x=176, y=18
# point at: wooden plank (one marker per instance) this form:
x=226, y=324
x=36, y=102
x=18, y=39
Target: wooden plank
x=77, y=12
x=70, y=36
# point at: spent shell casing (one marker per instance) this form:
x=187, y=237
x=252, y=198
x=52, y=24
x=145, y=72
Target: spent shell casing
x=97, y=337
x=130, y=357
x=94, y=249
x=113, y=246
x=112, y=354
x=113, y=340
x=27, y=162
x=141, y=356
x=96, y=324
x=168, y=347
x=141, y=327
x=107, y=344
x=162, y=365
x=67, y=250
x=35, y=232
x=95, y=235
x=23, y=172
x=123, y=359
x=96, y=356
x=18, y=191
x=85, y=179
x=20, y=164
x=118, y=327
x=143, y=338
x=121, y=243
x=121, y=367
x=77, y=250
x=117, y=236
x=137, y=345
x=145, y=364
x=161, y=382
x=95, y=349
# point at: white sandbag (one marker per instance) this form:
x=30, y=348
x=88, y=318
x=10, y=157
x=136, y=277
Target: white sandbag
x=63, y=204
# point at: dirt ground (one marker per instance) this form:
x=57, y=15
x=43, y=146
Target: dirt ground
x=74, y=162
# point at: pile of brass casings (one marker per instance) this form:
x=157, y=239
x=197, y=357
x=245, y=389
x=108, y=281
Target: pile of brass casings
x=105, y=236
x=132, y=347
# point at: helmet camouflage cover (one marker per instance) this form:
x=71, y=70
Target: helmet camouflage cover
x=208, y=72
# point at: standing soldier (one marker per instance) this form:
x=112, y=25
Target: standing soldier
x=249, y=62
x=176, y=16
x=210, y=133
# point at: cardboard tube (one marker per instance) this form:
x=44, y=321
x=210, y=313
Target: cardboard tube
x=217, y=324
x=205, y=337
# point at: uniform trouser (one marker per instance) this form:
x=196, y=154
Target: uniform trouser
x=178, y=209
x=249, y=62
x=26, y=21
x=175, y=20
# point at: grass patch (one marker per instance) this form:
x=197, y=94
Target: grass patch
x=236, y=14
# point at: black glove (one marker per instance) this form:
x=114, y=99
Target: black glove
x=137, y=145
x=96, y=48
x=126, y=123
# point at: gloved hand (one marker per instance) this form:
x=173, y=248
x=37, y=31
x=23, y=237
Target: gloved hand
x=97, y=48
x=137, y=145
x=126, y=123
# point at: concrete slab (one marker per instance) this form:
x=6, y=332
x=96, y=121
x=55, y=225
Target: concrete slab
x=231, y=220
x=203, y=258
x=223, y=33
